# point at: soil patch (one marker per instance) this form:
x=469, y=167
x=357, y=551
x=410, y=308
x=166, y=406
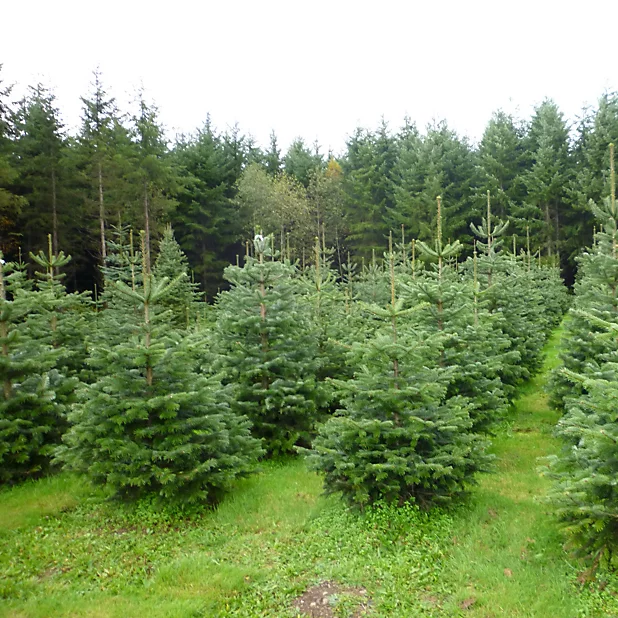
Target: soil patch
x=320, y=601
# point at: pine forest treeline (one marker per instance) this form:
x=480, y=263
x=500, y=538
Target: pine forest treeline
x=217, y=189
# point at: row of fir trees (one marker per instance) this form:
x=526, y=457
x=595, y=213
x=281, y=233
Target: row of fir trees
x=120, y=169
x=389, y=378
x=585, y=387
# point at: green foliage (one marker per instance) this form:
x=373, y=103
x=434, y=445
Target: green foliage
x=151, y=425
x=181, y=298
x=30, y=422
x=10, y=203
x=584, y=471
x=206, y=220
x=399, y=436
x=367, y=171
x=267, y=350
x=439, y=163
x=299, y=162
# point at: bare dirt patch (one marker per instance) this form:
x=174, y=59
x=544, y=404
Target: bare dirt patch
x=321, y=600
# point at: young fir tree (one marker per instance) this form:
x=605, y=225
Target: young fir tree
x=61, y=321
x=399, y=436
x=29, y=423
x=151, y=424
x=183, y=297
x=596, y=294
x=584, y=493
x=64, y=316
x=116, y=319
x=267, y=350
x=513, y=296
x=371, y=285
x=475, y=348
x=330, y=324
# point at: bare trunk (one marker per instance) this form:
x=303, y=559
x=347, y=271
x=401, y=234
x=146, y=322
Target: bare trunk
x=548, y=226
x=148, y=341
x=54, y=212
x=7, y=387
x=146, y=229
x=557, y=222
x=102, y=214
x=264, y=334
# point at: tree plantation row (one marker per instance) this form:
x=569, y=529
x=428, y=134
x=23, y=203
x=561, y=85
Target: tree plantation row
x=215, y=188
x=586, y=389
x=389, y=380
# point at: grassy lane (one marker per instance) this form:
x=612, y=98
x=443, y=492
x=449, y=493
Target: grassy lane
x=507, y=557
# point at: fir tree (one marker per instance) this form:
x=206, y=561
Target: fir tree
x=152, y=425
x=30, y=426
x=172, y=264
x=267, y=350
x=399, y=437
x=475, y=348
x=10, y=203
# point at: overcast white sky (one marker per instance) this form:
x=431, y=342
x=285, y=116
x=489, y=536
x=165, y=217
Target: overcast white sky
x=316, y=69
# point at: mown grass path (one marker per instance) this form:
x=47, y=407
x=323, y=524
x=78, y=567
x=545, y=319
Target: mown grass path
x=507, y=557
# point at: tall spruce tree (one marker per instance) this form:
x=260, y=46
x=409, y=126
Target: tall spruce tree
x=41, y=148
x=206, y=221
x=100, y=143
x=10, y=203
x=547, y=179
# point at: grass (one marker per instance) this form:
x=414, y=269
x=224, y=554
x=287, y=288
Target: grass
x=274, y=537
x=66, y=551
x=507, y=557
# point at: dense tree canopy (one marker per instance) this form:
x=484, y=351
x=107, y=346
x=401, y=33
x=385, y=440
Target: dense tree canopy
x=215, y=187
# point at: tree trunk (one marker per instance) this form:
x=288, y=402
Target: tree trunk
x=557, y=221
x=102, y=214
x=7, y=387
x=146, y=229
x=548, y=230
x=54, y=213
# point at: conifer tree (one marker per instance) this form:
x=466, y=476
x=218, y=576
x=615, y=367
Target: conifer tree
x=41, y=148
x=206, y=221
x=267, y=350
x=596, y=294
x=502, y=162
x=367, y=172
x=330, y=324
x=475, y=348
x=30, y=426
x=172, y=264
x=399, y=437
x=272, y=157
x=151, y=425
x=10, y=203
x=153, y=173
x=584, y=472
x=100, y=145
x=61, y=321
x=300, y=163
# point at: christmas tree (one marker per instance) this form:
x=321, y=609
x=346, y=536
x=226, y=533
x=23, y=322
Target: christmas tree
x=29, y=422
x=151, y=424
x=399, y=436
x=267, y=351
